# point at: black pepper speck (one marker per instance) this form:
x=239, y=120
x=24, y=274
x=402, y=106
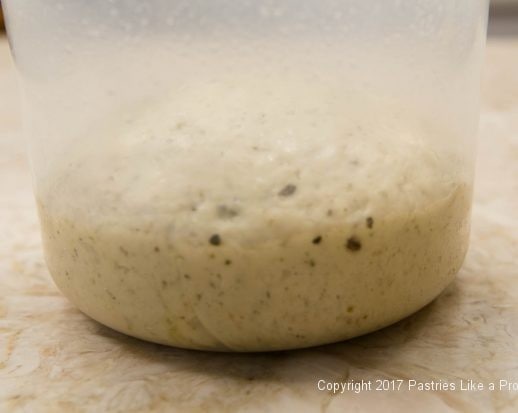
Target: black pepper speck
x=288, y=190
x=215, y=240
x=353, y=244
x=226, y=212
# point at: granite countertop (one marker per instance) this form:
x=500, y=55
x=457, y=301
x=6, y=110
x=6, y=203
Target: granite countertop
x=55, y=359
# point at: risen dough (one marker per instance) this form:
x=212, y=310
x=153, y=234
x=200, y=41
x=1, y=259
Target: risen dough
x=259, y=212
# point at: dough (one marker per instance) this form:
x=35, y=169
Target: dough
x=255, y=211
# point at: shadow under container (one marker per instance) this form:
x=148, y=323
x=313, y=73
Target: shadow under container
x=251, y=175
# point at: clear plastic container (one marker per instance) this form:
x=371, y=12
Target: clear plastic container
x=251, y=175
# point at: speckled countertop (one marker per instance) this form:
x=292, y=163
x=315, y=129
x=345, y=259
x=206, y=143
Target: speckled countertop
x=54, y=359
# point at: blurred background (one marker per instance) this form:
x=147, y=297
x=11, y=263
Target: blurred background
x=504, y=18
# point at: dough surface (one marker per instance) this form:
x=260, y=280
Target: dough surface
x=255, y=211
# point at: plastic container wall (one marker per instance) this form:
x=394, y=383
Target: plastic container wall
x=251, y=175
